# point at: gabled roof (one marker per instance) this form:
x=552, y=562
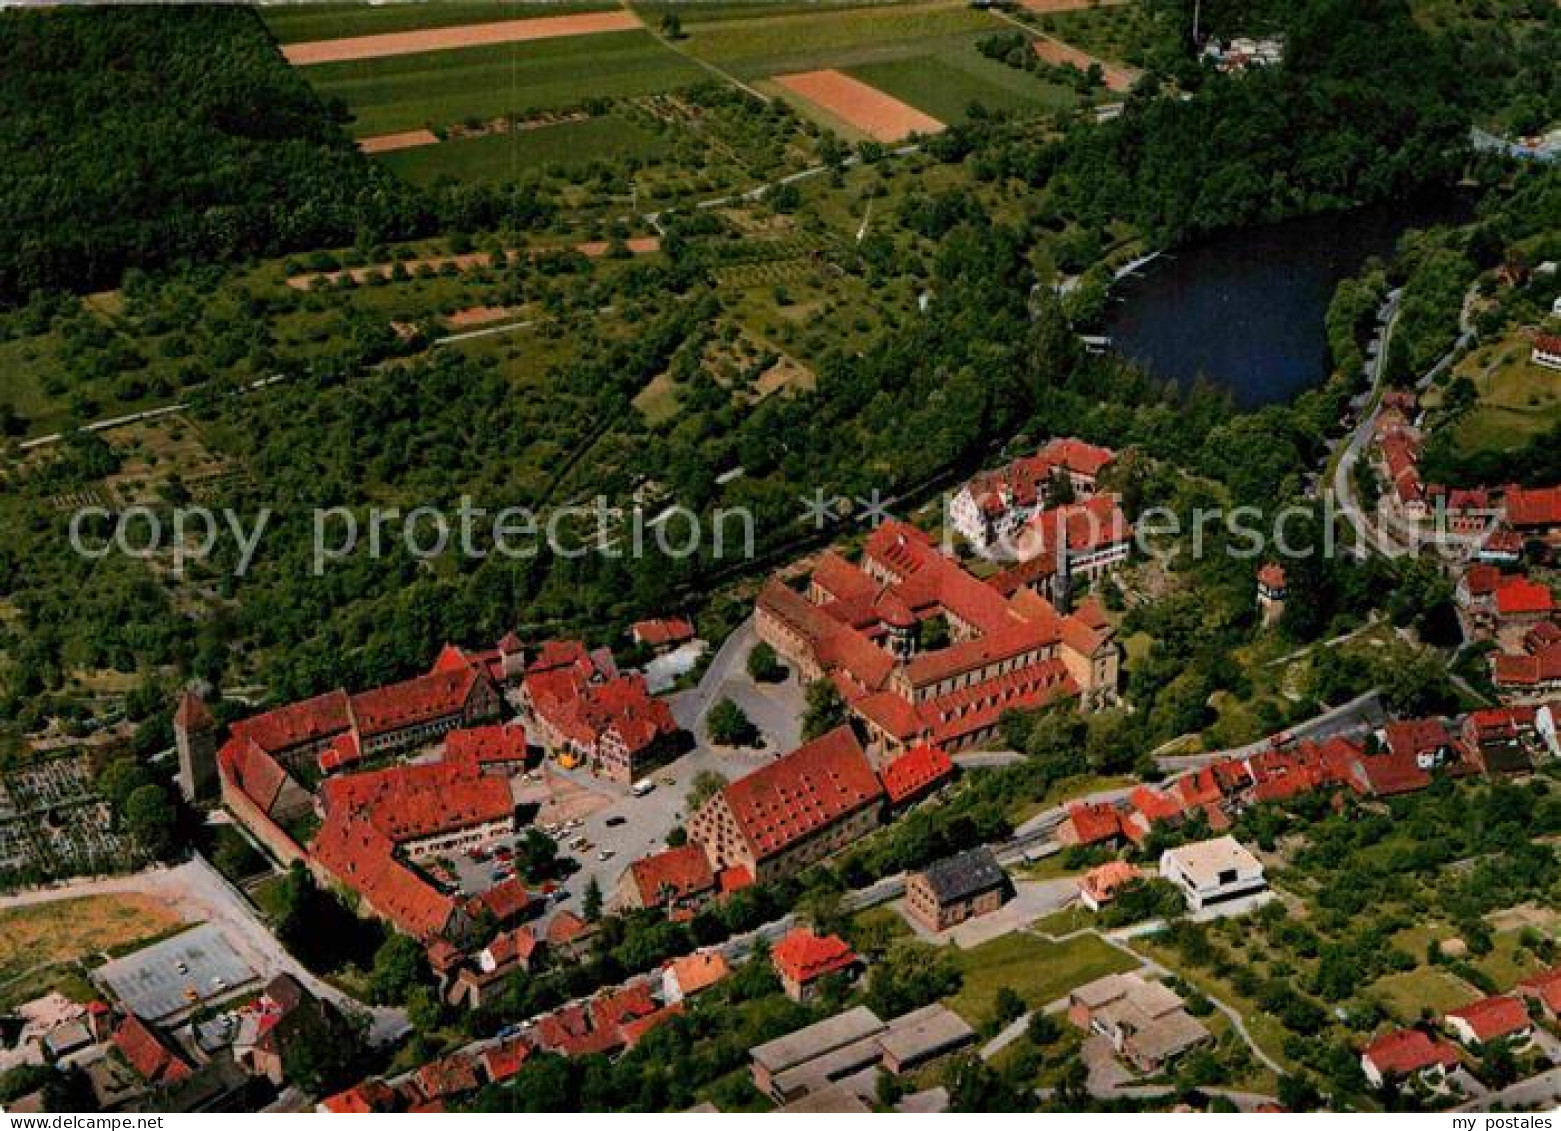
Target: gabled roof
x=487, y=745
x=1094, y=823
x=506, y=900
x=1077, y=456
x=964, y=876
x=1539, y=507
x=915, y=771
x=817, y=784
x=672, y=875
x=663, y=630
x=153, y=1058
x=1545, y=986
x=424, y=698
x=1493, y=1017
x=307, y=721
x=1404, y=1051
x=699, y=971
x=192, y=713
x=363, y=1099
x=505, y=1059
x=1519, y=596
x=451, y=1076
x=803, y=956
x=567, y=927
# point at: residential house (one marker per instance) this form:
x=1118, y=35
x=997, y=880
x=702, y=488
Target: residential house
x=663, y=633
x=955, y=889
x=1099, y=886
x=1404, y=1053
x=692, y=974
x=679, y=880
x=1546, y=351
x=1145, y=1021
x=802, y=959
x=1489, y=1019
x=1544, y=988
x=1212, y=872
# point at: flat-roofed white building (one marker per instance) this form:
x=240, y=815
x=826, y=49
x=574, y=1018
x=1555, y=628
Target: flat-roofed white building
x=1213, y=871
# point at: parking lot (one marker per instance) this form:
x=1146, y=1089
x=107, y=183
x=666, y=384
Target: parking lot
x=174, y=977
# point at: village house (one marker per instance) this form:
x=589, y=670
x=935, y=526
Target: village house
x=1545, y=989
x=955, y=889
x=802, y=959
x=1084, y=539
x=692, y=974
x=1145, y=1021
x=915, y=775
x=1546, y=351
x=1212, y=872
x=1404, y=1053
x=863, y=627
x=1534, y=513
x=662, y=634
x=1490, y=1019
x=799, y=809
x=570, y=936
x=1099, y=886
x=508, y=953
x=679, y=880
x=1428, y=743
x=1534, y=673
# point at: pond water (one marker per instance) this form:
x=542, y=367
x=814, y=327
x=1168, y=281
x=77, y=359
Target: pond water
x=1248, y=308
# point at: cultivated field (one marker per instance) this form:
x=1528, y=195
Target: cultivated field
x=503, y=156
x=445, y=87
x=880, y=116
x=1057, y=53
x=389, y=143
x=422, y=40
x=300, y=23
x=947, y=85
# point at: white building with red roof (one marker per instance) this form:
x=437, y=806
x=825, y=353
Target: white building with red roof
x=1490, y=1019
x=794, y=812
x=1407, y=1052
x=994, y=506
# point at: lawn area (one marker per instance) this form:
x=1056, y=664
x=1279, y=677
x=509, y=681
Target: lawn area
x=1517, y=399
x=301, y=23
x=444, y=87
x=499, y=157
x=947, y=84
x=68, y=930
x=759, y=46
x=1429, y=987
x=1121, y=33
x=1040, y=971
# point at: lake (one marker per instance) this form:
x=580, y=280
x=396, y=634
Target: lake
x=1248, y=309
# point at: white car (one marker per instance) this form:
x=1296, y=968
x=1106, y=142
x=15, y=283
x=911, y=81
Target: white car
x=606, y=854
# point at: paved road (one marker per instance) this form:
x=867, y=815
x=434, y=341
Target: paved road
x=1366, y=534
x=1362, y=714
x=198, y=893
x=1542, y=1091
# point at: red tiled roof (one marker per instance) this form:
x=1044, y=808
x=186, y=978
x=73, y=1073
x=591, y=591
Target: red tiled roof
x=362, y=1099
x=1539, y=507
x=1102, y=882
x=1077, y=456
x=1405, y=1051
x=1530, y=669
x=842, y=580
x=1482, y=579
x=1392, y=773
x=362, y=857
x=1493, y=1017
x=506, y=900
x=567, y=927
x=1094, y=823
x=450, y=1076
x=505, y=1059
x=487, y=745
x=1154, y=805
x=409, y=802
x=1416, y=736
x=916, y=771
x=1083, y=527
x=734, y=878
x=803, y=956
x=663, y=630
x=422, y=699
x=671, y=876
x=1518, y=596
x=307, y=721
x=634, y=1031
x=1546, y=987
x=622, y=1005
x=151, y=1057
x=443, y=957
x=513, y=946
x=817, y=784
x=696, y=972
x=255, y=773
x=1272, y=576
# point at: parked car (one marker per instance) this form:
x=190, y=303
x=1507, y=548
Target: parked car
x=614, y=822
x=606, y=854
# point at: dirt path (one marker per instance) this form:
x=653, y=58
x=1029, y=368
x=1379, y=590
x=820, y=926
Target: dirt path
x=389, y=143
x=450, y=38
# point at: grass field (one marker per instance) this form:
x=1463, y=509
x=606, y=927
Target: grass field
x=1404, y=995
x=1122, y=33
x=1518, y=400
x=946, y=85
x=67, y=930
x=444, y=87
x=500, y=157
x=756, y=47
x=1040, y=971
x=302, y=23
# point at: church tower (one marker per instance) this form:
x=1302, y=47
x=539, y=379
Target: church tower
x=195, y=734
